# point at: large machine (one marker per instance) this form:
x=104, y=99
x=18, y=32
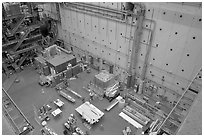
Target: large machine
x=56, y=65
x=24, y=33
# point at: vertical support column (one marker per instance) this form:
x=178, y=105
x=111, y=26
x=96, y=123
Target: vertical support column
x=136, y=46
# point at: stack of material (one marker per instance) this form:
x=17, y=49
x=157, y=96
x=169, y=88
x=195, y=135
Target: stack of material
x=65, y=95
x=73, y=92
x=114, y=103
x=89, y=112
x=130, y=120
x=136, y=115
x=48, y=131
x=111, y=91
x=103, y=79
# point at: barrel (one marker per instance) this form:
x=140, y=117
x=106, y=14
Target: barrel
x=121, y=103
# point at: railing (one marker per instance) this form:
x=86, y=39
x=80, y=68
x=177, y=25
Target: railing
x=19, y=128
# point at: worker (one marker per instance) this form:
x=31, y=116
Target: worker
x=91, y=94
x=72, y=119
x=66, y=83
x=72, y=115
x=120, y=86
x=128, y=130
x=83, y=100
x=158, y=104
x=101, y=127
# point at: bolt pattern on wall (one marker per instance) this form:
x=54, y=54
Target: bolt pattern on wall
x=98, y=36
x=175, y=53
x=177, y=35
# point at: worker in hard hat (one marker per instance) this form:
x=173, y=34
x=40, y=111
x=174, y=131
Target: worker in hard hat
x=91, y=94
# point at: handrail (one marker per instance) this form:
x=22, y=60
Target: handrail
x=15, y=105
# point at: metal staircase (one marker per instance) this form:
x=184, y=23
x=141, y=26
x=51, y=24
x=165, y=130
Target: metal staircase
x=22, y=39
x=17, y=25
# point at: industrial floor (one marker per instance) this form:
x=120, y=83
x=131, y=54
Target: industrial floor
x=28, y=93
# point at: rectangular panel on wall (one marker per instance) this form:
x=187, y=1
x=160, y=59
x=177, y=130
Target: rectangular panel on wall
x=85, y=45
x=96, y=49
x=62, y=17
x=139, y=67
x=65, y=36
x=95, y=29
x=60, y=31
x=170, y=81
x=78, y=41
x=87, y=25
x=121, y=36
x=74, y=21
x=111, y=56
x=111, y=30
x=145, y=37
x=108, y=55
x=177, y=41
x=89, y=47
x=103, y=31
x=78, y=23
x=155, y=74
x=121, y=61
x=123, y=47
x=112, y=5
x=166, y=15
x=176, y=45
x=160, y=42
x=180, y=84
x=82, y=44
x=112, y=44
x=73, y=39
x=129, y=34
x=81, y=24
x=149, y=12
x=191, y=54
x=68, y=20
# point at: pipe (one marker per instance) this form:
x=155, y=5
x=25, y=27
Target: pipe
x=106, y=9
x=15, y=41
x=82, y=10
x=144, y=69
x=111, y=17
x=97, y=7
x=136, y=45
